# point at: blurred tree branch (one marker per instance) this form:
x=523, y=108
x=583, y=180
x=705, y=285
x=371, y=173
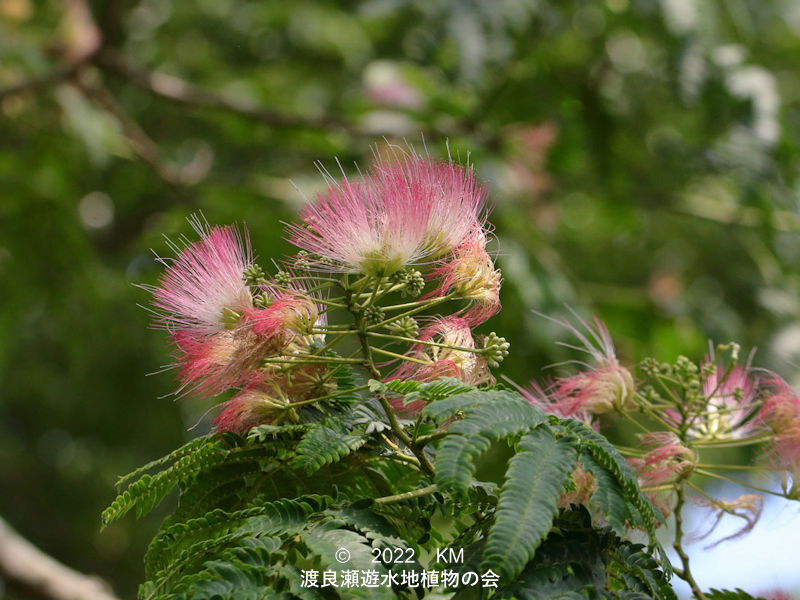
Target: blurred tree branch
x=27, y=569
x=81, y=41
x=182, y=92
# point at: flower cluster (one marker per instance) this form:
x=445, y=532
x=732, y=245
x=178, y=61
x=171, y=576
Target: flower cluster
x=410, y=224
x=685, y=410
x=604, y=387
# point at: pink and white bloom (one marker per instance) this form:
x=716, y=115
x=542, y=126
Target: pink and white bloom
x=607, y=386
x=731, y=404
x=536, y=396
x=203, y=290
x=220, y=337
x=402, y=212
x=269, y=395
x=668, y=460
x=442, y=361
x=780, y=414
x=258, y=403
x=470, y=367
x=470, y=273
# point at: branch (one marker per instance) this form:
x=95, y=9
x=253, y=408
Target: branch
x=182, y=92
x=26, y=567
x=83, y=43
x=142, y=144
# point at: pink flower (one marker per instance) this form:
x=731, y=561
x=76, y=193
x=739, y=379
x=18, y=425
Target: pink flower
x=470, y=367
x=536, y=396
x=780, y=414
x=730, y=404
x=256, y=404
x=470, y=273
x=403, y=212
x=269, y=396
x=667, y=461
x=203, y=290
x=747, y=507
x=449, y=331
x=220, y=337
x=214, y=363
x=585, y=487
x=606, y=387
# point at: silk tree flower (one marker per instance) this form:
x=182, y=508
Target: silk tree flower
x=211, y=364
x=780, y=414
x=469, y=367
x=258, y=403
x=269, y=395
x=403, y=212
x=607, y=386
x=203, y=301
x=470, y=273
x=536, y=396
x=747, y=507
x=731, y=405
x=667, y=462
x=454, y=331
x=585, y=487
x=203, y=290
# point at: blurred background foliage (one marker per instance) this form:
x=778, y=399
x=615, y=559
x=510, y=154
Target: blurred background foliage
x=642, y=156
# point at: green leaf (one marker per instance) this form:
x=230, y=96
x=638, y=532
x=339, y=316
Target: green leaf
x=499, y=415
x=324, y=445
x=608, y=496
x=535, y=480
x=326, y=540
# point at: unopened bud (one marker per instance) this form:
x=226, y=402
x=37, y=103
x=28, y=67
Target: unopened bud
x=282, y=278
x=263, y=300
x=407, y=327
x=495, y=349
x=373, y=314
x=253, y=275
x=415, y=283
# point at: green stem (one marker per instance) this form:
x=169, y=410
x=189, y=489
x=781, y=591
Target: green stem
x=401, y=356
x=422, y=305
x=328, y=397
x=733, y=443
x=732, y=467
x=738, y=482
x=369, y=364
x=311, y=359
x=424, y=440
x=684, y=573
x=426, y=491
x=630, y=418
x=399, y=338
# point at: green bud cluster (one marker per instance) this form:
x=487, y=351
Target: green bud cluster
x=412, y=280
x=374, y=314
x=407, y=327
x=262, y=300
x=253, y=275
x=495, y=349
x=282, y=278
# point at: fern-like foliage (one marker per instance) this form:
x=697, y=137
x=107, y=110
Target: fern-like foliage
x=255, y=512
x=578, y=560
x=535, y=480
x=326, y=443
x=737, y=594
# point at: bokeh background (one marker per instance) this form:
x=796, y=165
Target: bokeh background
x=643, y=158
